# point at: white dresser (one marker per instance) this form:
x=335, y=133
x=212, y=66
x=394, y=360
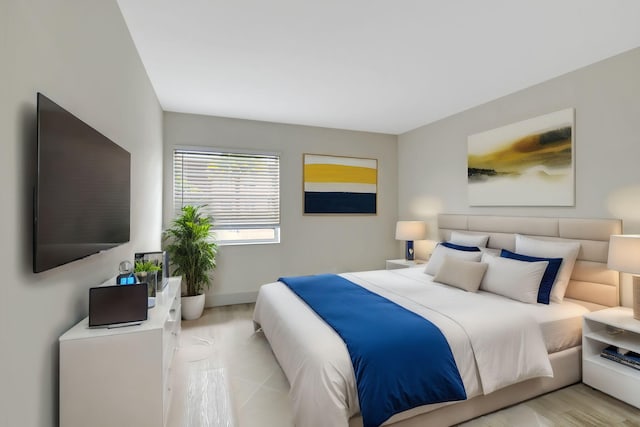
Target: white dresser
x=121, y=376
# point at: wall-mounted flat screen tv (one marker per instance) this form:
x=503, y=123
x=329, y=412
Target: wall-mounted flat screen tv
x=82, y=190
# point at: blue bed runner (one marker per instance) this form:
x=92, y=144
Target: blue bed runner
x=401, y=360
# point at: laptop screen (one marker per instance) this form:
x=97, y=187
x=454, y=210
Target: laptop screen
x=112, y=305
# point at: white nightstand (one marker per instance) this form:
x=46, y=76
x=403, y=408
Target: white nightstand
x=393, y=264
x=598, y=332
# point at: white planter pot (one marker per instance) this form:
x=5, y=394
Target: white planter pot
x=192, y=307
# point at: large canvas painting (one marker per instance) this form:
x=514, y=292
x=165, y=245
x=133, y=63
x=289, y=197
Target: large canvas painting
x=529, y=163
x=339, y=185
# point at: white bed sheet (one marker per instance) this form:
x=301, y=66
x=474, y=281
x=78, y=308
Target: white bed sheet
x=316, y=361
x=560, y=323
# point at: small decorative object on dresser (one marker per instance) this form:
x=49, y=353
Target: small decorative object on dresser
x=193, y=254
x=125, y=276
x=610, y=338
x=159, y=259
x=150, y=273
x=624, y=256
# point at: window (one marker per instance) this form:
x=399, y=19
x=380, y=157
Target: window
x=241, y=191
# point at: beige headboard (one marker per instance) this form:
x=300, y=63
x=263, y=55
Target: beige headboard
x=591, y=280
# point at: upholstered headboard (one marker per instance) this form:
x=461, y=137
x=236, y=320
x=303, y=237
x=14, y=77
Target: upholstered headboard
x=591, y=280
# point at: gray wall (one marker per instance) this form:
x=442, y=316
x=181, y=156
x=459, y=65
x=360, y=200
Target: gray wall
x=80, y=54
x=309, y=244
x=606, y=98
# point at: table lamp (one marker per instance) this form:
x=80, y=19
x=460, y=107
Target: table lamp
x=410, y=231
x=624, y=256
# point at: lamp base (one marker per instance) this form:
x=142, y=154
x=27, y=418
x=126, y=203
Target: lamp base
x=636, y=297
x=409, y=254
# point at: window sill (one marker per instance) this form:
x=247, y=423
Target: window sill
x=248, y=243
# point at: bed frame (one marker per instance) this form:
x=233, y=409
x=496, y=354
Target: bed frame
x=592, y=285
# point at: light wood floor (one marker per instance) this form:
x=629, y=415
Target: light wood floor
x=225, y=375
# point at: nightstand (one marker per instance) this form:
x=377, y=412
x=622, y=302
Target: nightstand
x=600, y=329
x=393, y=264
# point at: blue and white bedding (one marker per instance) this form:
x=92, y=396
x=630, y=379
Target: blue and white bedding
x=495, y=341
x=400, y=359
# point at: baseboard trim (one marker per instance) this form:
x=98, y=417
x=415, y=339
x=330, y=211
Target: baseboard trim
x=217, y=300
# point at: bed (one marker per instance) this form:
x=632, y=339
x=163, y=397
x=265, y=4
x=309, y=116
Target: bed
x=317, y=364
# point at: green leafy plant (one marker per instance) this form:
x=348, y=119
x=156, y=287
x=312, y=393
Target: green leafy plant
x=148, y=266
x=147, y=271
x=191, y=248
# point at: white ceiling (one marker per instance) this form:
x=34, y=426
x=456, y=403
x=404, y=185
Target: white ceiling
x=375, y=65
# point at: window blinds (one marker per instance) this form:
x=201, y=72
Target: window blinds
x=239, y=190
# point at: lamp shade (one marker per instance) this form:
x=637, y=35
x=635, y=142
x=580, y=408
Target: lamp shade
x=624, y=253
x=411, y=230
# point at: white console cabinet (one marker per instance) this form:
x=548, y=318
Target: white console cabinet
x=121, y=376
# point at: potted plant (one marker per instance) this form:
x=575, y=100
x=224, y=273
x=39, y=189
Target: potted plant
x=147, y=271
x=193, y=254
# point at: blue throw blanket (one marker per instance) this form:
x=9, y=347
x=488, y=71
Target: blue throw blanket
x=400, y=359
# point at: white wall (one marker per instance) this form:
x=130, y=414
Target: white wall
x=79, y=53
x=309, y=244
x=606, y=97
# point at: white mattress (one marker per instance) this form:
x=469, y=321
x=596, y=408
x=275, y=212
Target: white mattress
x=317, y=365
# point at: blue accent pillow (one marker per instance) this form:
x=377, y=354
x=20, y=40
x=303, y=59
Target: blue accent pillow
x=460, y=247
x=549, y=276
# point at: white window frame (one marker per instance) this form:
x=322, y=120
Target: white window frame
x=220, y=241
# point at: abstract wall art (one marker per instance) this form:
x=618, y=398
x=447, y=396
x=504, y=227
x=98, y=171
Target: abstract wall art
x=339, y=185
x=528, y=163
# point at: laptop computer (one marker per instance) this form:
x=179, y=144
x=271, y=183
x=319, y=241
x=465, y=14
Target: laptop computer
x=116, y=306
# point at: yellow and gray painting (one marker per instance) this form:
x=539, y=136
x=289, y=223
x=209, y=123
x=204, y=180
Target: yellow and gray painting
x=528, y=163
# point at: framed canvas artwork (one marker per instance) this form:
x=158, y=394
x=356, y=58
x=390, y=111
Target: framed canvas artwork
x=339, y=185
x=528, y=163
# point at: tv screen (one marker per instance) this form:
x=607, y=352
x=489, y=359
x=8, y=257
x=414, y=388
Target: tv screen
x=82, y=190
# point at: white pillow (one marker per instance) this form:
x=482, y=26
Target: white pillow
x=491, y=251
x=462, y=274
x=568, y=251
x=518, y=280
x=465, y=239
x=440, y=252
